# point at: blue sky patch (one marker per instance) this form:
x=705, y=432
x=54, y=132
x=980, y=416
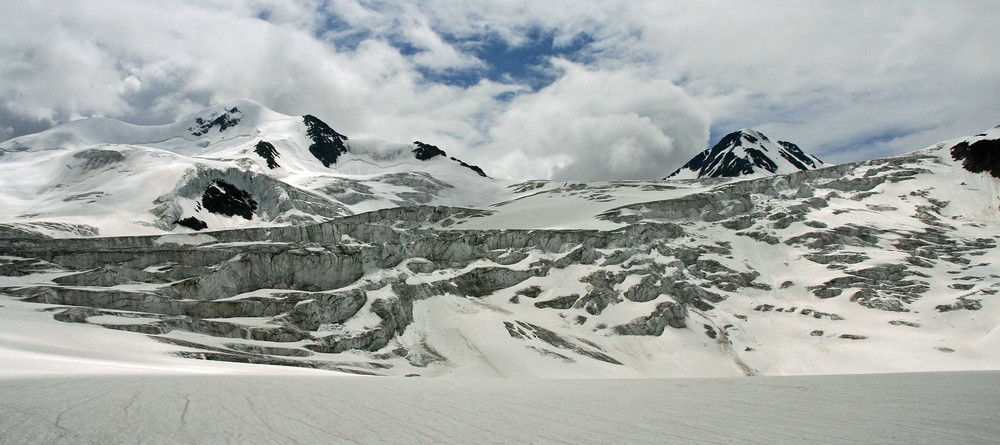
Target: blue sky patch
x=525, y=64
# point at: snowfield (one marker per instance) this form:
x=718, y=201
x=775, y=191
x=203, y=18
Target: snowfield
x=245, y=407
x=78, y=384
x=244, y=276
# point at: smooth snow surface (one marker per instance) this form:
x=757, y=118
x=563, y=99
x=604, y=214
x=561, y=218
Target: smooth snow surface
x=250, y=408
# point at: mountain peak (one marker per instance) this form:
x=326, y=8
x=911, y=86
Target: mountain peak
x=747, y=152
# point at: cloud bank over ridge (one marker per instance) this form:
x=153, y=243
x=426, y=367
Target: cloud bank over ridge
x=564, y=90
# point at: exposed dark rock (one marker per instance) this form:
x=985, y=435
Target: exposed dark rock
x=904, y=323
x=424, y=151
x=556, y=340
x=852, y=336
x=192, y=223
x=797, y=157
x=224, y=198
x=602, y=292
x=763, y=237
x=738, y=223
x=94, y=158
x=820, y=314
x=960, y=304
x=327, y=307
x=395, y=313
x=268, y=360
x=816, y=333
x=268, y=350
x=483, y=281
x=228, y=119
x=515, y=331
x=564, y=302
x=164, y=324
x=827, y=292
x=710, y=332
x=850, y=235
x=553, y=354
x=267, y=151
x=530, y=291
x=666, y=314
x=474, y=168
x=327, y=144
x=837, y=258
x=980, y=156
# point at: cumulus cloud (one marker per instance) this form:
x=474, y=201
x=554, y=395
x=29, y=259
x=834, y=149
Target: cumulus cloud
x=599, y=124
x=653, y=81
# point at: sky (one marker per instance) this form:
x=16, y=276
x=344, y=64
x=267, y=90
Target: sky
x=575, y=90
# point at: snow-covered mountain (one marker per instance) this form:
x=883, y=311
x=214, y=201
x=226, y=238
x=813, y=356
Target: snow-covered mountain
x=878, y=266
x=747, y=153
x=231, y=166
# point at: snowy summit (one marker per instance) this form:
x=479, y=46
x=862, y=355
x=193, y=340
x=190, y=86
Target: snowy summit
x=229, y=166
x=747, y=153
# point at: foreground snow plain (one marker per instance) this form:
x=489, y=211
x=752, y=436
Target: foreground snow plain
x=76, y=383
x=245, y=407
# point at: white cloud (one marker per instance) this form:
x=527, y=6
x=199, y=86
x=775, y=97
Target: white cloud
x=636, y=101
x=599, y=124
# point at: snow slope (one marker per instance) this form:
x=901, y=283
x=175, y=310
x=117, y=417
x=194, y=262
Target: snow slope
x=880, y=266
x=106, y=177
x=394, y=260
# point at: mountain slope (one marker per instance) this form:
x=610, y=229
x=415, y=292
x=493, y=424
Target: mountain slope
x=878, y=266
x=747, y=153
x=231, y=166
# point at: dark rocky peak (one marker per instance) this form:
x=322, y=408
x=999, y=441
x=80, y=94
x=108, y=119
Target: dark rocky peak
x=793, y=154
x=327, y=144
x=746, y=152
x=424, y=151
x=226, y=119
x=474, y=168
x=979, y=156
x=740, y=138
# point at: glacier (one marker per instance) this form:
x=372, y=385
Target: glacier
x=371, y=261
